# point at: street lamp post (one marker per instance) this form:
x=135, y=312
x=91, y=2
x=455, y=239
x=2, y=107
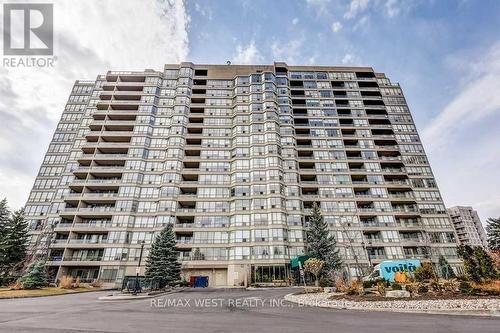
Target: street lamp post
x=137, y=286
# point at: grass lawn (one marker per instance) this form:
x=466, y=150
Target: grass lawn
x=7, y=293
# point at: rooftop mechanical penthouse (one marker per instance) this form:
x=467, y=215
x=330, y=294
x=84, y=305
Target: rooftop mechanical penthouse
x=235, y=156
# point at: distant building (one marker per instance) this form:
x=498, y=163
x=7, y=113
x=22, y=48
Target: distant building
x=468, y=226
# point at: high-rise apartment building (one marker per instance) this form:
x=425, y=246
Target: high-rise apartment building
x=235, y=156
x=468, y=226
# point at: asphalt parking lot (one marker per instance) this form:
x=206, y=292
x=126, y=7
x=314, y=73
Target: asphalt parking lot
x=215, y=310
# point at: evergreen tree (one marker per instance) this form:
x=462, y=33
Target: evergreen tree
x=162, y=264
x=320, y=244
x=14, y=242
x=493, y=230
x=445, y=269
x=471, y=266
x=4, y=220
x=4, y=215
x=35, y=277
x=485, y=263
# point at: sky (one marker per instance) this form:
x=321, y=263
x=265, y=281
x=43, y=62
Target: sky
x=445, y=54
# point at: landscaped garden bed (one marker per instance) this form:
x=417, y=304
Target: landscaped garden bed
x=48, y=291
x=467, y=304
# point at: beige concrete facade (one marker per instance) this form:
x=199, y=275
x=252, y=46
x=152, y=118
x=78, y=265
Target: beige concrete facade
x=467, y=224
x=234, y=156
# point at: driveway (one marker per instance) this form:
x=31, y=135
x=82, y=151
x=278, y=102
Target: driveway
x=215, y=310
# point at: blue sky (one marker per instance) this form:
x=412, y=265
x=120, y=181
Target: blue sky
x=415, y=43
x=434, y=49
x=445, y=54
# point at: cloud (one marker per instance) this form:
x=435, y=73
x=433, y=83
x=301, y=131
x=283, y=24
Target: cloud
x=321, y=7
x=288, y=52
x=248, y=54
x=336, y=26
x=462, y=141
x=477, y=100
x=361, y=23
x=351, y=59
x=90, y=38
x=295, y=20
x=391, y=8
x=204, y=11
x=356, y=7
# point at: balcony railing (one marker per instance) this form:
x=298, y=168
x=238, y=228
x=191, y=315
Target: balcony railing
x=89, y=241
x=78, y=258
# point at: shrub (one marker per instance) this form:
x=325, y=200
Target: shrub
x=314, y=266
x=471, y=265
x=66, y=282
x=450, y=286
x=340, y=285
x=381, y=285
x=490, y=288
x=355, y=288
x=368, y=284
x=373, y=283
x=184, y=282
x=425, y=272
x=396, y=286
x=324, y=282
x=6, y=280
x=435, y=286
x=76, y=284
x=485, y=262
x=422, y=289
x=445, y=270
x=412, y=288
x=35, y=277
x=385, y=282
x=16, y=286
x=466, y=288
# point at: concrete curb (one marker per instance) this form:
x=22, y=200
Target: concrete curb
x=136, y=297
x=272, y=288
x=454, y=312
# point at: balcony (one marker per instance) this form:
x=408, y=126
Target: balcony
x=63, y=226
x=186, y=210
x=104, y=144
x=103, y=181
x=103, y=156
x=78, y=258
x=405, y=209
x=387, y=147
x=375, y=224
x=377, y=256
x=92, y=225
x=373, y=210
x=98, y=209
x=89, y=195
x=393, y=170
x=398, y=182
x=89, y=241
